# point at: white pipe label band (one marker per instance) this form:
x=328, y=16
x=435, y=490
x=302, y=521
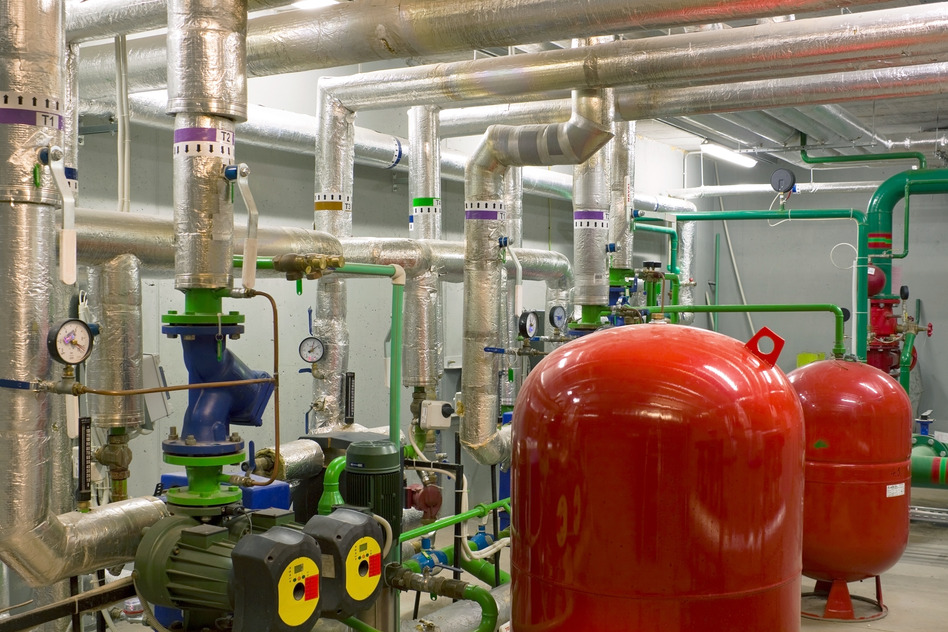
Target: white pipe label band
x=489, y=210
x=590, y=219
x=29, y=109
x=333, y=202
x=205, y=141
x=891, y=491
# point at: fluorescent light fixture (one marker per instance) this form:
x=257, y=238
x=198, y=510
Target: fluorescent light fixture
x=312, y=4
x=723, y=153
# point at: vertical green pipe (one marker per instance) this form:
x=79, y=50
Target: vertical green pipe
x=331, y=496
x=905, y=360
x=717, y=274
x=672, y=235
x=395, y=392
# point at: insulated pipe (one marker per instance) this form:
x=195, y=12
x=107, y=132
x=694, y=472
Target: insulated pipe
x=827, y=44
x=40, y=545
x=346, y=33
x=289, y=131
x=513, y=303
x=105, y=19
x=485, y=223
x=857, y=85
x=423, y=359
x=115, y=300
x=333, y=215
x=622, y=186
x=728, y=190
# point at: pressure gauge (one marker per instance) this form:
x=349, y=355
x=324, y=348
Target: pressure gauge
x=529, y=323
x=70, y=342
x=558, y=316
x=312, y=349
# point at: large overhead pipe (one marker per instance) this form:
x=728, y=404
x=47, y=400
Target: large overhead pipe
x=828, y=44
x=36, y=541
x=485, y=224
x=727, y=190
x=351, y=33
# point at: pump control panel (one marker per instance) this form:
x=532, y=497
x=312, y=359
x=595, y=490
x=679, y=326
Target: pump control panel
x=435, y=415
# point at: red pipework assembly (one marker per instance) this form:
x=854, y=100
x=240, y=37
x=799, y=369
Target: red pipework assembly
x=856, y=500
x=657, y=484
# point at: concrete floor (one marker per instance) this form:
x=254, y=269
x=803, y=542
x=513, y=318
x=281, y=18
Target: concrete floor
x=915, y=589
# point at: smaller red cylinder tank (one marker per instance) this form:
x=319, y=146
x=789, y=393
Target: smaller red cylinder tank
x=858, y=448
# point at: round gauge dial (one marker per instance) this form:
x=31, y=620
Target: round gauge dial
x=312, y=349
x=558, y=316
x=529, y=324
x=70, y=342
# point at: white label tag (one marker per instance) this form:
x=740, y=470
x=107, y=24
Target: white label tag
x=891, y=491
x=329, y=566
x=504, y=627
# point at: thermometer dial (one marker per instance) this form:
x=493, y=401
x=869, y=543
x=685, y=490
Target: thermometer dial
x=70, y=342
x=529, y=324
x=558, y=316
x=312, y=349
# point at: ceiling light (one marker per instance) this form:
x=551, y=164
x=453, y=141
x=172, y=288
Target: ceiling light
x=723, y=153
x=312, y=4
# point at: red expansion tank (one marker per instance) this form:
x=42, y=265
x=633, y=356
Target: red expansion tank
x=858, y=450
x=657, y=486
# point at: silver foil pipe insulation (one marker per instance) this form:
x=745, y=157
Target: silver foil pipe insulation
x=728, y=190
x=329, y=325
x=115, y=300
x=207, y=53
x=277, y=129
x=423, y=356
x=859, y=41
x=485, y=223
x=513, y=205
x=622, y=185
x=299, y=459
x=592, y=197
x=39, y=542
x=345, y=34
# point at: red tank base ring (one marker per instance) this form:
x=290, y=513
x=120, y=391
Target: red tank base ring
x=831, y=601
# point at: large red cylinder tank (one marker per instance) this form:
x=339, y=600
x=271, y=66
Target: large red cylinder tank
x=858, y=469
x=657, y=486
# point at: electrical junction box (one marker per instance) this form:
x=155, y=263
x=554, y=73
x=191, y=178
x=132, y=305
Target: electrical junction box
x=276, y=580
x=157, y=405
x=351, y=544
x=436, y=415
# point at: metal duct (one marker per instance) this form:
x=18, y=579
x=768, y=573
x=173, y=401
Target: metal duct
x=115, y=300
x=485, y=222
x=104, y=19
x=207, y=60
x=463, y=616
x=423, y=357
x=765, y=189
x=844, y=124
x=346, y=33
x=828, y=44
x=860, y=85
x=289, y=131
x=622, y=185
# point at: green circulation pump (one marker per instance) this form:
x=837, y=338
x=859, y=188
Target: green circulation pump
x=374, y=480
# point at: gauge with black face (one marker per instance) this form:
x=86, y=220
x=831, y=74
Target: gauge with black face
x=69, y=342
x=558, y=316
x=529, y=324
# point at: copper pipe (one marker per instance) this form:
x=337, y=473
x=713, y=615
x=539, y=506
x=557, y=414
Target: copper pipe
x=276, y=390
x=82, y=389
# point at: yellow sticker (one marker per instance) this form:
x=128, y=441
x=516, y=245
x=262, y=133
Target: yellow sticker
x=363, y=568
x=298, y=591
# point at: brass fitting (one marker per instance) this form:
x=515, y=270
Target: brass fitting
x=311, y=266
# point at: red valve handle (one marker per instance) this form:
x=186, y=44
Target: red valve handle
x=929, y=330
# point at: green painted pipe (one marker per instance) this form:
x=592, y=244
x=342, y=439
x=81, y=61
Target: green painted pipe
x=839, y=347
x=664, y=230
x=893, y=155
x=881, y=206
x=478, y=511
x=929, y=462
x=485, y=600
x=481, y=569
x=331, y=496
x=862, y=252
x=905, y=360
x=717, y=273
x=358, y=625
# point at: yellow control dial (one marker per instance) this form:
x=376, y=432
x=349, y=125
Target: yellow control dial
x=298, y=591
x=363, y=568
